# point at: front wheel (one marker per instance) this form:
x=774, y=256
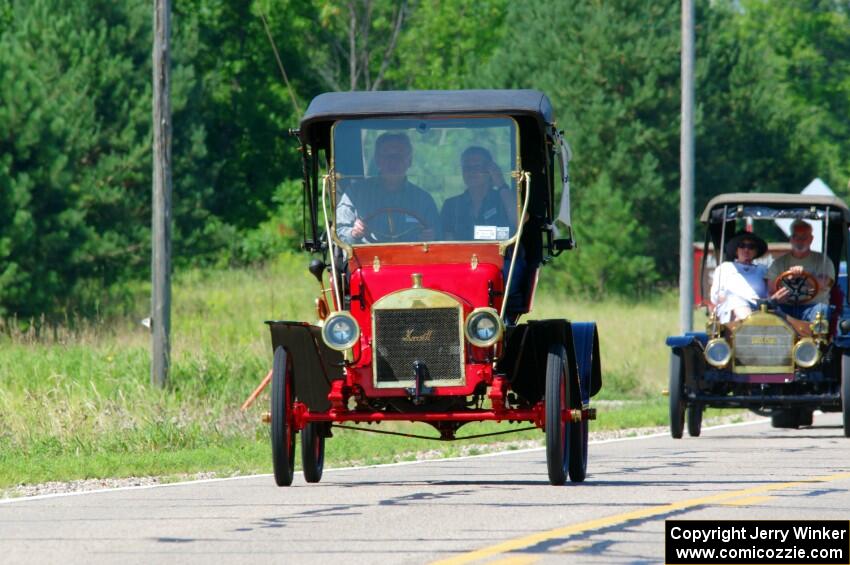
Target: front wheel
x=695, y=419
x=313, y=451
x=578, y=450
x=282, y=430
x=676, y=389
x=557, y=428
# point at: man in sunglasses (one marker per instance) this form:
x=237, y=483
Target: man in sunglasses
x=801, y=260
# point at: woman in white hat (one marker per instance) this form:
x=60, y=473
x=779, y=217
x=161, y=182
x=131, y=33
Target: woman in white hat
x=738, y=282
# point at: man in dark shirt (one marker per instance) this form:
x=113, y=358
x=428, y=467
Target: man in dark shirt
x=388, y=208
x=486, y=210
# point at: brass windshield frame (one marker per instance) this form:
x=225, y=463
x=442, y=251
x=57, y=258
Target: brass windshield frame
x=516, y=174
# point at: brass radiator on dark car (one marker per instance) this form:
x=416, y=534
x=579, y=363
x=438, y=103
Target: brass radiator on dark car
x=763, y=344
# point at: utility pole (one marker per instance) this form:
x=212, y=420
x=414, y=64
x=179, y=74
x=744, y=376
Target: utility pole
x=161, y=221
x=686, y=186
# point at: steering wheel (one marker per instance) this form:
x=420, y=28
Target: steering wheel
x=803, y=287
x=396, y=232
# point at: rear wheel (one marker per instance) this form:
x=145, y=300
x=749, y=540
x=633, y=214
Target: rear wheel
x=805, y=417
x=557, y=427
x=787, y=418
x=282, y=430
x=845, y=393
x=676, y=390
x=313, y=451
x=578, y=450
x=695, y=419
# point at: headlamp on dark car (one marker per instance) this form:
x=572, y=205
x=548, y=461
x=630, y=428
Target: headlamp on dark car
x=340, y=331
x=484, y=327
x=717, y=352
x=806, y=353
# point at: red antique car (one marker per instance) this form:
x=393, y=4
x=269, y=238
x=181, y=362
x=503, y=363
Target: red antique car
x=433, y=212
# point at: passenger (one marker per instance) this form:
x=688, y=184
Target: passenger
x=802, y=259
x=738, y=284
x=487, y=208
x=388, y=207
x=487, y=211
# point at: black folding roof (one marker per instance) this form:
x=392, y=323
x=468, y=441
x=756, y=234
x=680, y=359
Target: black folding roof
x=772, y=205
x=341, y=105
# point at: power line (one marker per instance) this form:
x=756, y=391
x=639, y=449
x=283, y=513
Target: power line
x=280, y=63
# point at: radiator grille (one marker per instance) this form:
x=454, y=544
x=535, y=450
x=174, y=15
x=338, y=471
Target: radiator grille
x=764, y=346
x=429, y=335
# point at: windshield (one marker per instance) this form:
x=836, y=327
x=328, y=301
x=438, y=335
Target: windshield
x=446, y=179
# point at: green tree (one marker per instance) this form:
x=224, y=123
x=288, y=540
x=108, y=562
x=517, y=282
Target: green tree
x=445, y=42
x=611, y=69
x=75, y=152
x=69, y=179
x=748, y=128
x=808, y=43
x=245, y=107
x=607, y=226
x=349, y=45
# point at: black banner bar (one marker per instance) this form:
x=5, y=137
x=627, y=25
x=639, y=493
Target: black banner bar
x=757, y=542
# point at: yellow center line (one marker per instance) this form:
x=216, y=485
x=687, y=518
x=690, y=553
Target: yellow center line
x=565, y=531
x=747, y=500
x=518, y=560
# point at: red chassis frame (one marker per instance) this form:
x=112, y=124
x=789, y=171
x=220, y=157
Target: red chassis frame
x=383, y=269
x=301, y=414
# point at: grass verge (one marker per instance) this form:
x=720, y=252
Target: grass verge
x=77, y=403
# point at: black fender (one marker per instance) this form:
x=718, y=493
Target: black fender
x=586, y=342
x=524, y=358
x=696, y=339
x=314, y=364
x=689, y=348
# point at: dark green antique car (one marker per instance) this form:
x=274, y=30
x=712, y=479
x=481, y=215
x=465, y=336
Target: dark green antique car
x=768, y=362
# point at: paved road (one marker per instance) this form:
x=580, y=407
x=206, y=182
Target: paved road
x=491, y=509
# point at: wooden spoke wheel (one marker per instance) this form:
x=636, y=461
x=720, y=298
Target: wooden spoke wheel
x=557, y=425
x=695, y=419
x=313, y=451
x=578, y=450
x=282, y=429
x=677, y=400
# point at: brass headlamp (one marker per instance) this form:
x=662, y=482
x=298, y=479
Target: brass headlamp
x=712, y=326
x=820, y=327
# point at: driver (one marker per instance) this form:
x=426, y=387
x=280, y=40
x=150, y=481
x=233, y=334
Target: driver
x=802, y=259
x=388, y=207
